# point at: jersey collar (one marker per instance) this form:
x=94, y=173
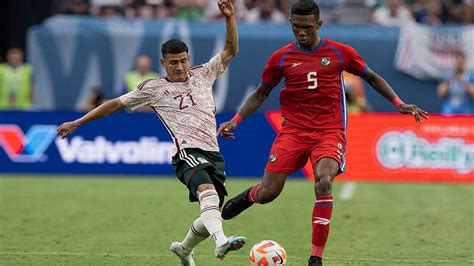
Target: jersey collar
x=309, y=51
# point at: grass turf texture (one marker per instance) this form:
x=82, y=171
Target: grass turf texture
x=130, y=220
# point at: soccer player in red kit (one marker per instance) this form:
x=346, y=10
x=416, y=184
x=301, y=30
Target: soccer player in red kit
x=315, y=117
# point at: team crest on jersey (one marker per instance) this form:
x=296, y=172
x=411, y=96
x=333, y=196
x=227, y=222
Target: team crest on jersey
x=272, y=158
x=325, y=61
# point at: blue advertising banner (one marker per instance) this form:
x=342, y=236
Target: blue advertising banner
x=124, y=143
x=381, y=147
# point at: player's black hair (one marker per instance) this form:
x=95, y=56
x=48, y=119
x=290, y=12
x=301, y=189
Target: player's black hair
x=305, y=8
x=173, y=46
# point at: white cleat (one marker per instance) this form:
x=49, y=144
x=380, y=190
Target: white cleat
x=186, y=258
x=233, y=243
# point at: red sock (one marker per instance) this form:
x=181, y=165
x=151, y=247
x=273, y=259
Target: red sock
x=253, y=193
x=322, y=211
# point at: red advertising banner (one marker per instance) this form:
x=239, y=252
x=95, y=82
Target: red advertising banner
x=393, y=148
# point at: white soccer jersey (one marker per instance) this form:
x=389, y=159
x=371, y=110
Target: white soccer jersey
x=187, y=109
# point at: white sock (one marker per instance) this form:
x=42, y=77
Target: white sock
x=196, y=234
x=211, y=216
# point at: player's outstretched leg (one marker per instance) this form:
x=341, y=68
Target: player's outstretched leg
x=236, y=205
x=270, y=188
x=184, y=250
x=211, y=217
x=233, y=243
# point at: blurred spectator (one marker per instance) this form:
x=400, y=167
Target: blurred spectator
x=97, y=6
x=95, y=99
x=16, y=82
x=142, y=72
x=330, y=10
x=191, y=9
x=77, y=7
x=265, y=11
x=355, y=93
x=456, y=11
x=416, y=7
x=110, y=11
x=155, y=8
x=457, y=90
x=431, y=14
x=249, y=4
x=394, y=13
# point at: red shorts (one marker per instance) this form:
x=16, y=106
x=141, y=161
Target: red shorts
x=293, y=147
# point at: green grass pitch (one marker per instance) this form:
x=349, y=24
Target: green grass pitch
x=132, y=220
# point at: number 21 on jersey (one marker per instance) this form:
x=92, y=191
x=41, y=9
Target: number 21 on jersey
x=313, y=80
x=183, y=99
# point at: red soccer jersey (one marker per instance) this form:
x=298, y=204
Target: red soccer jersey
x=313, y=96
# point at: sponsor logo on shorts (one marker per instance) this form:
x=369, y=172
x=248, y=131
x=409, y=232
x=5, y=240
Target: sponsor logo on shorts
x=272, y=158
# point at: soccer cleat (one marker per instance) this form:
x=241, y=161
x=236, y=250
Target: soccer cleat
x=186, y=258
x=315, y=261
x=233, y=243
x=236, y=205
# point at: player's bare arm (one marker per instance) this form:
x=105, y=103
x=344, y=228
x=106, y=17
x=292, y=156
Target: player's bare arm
x=251, y=104
x=470, y=90
x=105, y=109
x=384, y=89
x=442, y=90
x=231, y=39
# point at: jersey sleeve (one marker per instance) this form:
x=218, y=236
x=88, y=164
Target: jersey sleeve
x=141, y=96
x=353, y=62
x=272, y=73
x=213, y=68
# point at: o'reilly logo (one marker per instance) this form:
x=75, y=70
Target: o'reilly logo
x=406, y=150
x=147, y=150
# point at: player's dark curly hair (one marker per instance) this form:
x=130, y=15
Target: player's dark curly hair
x=305, y=8
x=173, y=46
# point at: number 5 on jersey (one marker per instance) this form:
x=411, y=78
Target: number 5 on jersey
x=312, y=78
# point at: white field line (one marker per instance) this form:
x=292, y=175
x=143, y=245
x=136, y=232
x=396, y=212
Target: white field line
x=347, y=191
x=209, y=256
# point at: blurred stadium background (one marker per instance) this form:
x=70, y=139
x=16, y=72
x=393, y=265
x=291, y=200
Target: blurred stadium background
x=100, y=196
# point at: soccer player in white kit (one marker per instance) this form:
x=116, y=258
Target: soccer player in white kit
x=184, y=102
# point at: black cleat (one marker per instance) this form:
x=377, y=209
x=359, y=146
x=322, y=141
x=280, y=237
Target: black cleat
x=315, y=261
x=236, y=205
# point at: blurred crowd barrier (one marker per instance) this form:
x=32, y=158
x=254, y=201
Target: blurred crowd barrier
x=381, y=147
x=72, y=55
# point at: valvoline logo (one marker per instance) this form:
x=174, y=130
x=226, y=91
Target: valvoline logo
x=26, y=148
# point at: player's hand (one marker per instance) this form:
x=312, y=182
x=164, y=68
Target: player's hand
x=226, y=128
x=414, y=110
x=226, y=8
x=66, y=129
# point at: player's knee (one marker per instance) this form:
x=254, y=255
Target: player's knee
x=205, y=186
x=323, y=186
